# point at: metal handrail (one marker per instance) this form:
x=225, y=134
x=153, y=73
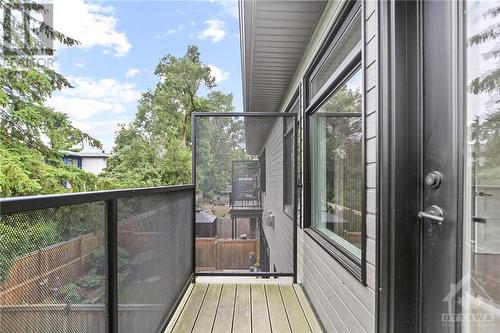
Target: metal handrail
x=35, y=202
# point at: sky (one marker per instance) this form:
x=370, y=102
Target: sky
x=123, y=41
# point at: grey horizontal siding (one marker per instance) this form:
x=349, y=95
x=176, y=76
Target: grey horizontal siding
x=279, y=237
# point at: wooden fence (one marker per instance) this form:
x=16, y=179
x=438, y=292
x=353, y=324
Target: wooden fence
x=225, y=254
x=31, y=275
x=62, y=318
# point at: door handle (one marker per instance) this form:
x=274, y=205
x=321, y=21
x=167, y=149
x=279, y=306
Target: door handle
x=433, y=213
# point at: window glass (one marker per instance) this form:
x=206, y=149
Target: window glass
x=337, y=168
x=334, y=58
x=481, y=256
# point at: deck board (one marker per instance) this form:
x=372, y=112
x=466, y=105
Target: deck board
x=206, y=318
x=179, y=309
x=296, y=316
x=260, y=312
x=245, y=308
x=187, y=319
x=242, y=322
x=224, y=318
x=277, y=313
x=308, y=312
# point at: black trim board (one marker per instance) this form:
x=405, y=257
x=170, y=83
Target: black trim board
x=398, y=167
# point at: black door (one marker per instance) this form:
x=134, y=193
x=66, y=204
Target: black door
x=460, y=164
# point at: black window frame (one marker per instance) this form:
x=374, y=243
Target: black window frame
x=354, y=62
x=289, y=134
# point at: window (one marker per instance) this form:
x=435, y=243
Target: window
x=342, y=48
x=334, y=147
x=336, y=167
x=289, y=158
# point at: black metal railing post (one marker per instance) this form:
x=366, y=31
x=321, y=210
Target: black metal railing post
x=112, y=266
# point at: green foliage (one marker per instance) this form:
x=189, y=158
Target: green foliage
x=32, y=135
x=220, y=140
x=70, y=294
x=18, y=238
x=91, y=280
x=24, y=171
x=98, y=261
x=154, y=150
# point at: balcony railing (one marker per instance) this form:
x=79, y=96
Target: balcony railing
x=95, y=262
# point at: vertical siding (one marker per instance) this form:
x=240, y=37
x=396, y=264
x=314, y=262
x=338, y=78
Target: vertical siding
x=341, y=302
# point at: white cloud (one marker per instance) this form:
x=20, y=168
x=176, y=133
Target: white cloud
x=229, y=7
x=172, y=31
x=91, y=24
x=219, y=74
x=91, y=97
x=80, y=62
x=131, y=72
x=100, y=128
x=216, y=30
x=104, y=131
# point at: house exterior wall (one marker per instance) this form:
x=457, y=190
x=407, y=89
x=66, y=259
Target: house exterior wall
x=280, y=235
x=342, y=303
x=94, y=165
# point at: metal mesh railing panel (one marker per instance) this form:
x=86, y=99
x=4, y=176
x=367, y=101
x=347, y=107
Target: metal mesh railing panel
x=53, y=270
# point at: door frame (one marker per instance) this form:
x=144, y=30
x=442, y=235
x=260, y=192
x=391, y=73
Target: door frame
x=400, y=161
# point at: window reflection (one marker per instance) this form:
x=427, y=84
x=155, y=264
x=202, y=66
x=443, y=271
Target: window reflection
x=482, y=185
x=336, y=146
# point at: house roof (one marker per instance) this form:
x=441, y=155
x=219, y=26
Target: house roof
x=86, y=154
x=204, y=217
x=273, y=39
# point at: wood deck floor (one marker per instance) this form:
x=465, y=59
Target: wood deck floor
x=257, y=308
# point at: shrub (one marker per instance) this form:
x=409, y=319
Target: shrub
x=91, y=280
x=98, y=261
x=70, y=293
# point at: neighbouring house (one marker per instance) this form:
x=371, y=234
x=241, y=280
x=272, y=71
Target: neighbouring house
x=93, y=162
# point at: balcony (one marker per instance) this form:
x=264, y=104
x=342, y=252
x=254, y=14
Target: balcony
x=124, y=261
x=244, y=308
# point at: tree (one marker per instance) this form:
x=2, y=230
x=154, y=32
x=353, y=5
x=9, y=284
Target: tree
x=154, y=149
x=33, y=135
x=181, y=78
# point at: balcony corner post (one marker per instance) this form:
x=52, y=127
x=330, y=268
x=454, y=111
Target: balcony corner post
x=112, y=265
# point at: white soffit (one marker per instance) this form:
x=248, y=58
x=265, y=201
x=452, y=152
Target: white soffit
x=274, y=35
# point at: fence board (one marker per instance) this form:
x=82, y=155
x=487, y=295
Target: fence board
x=225, y=254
